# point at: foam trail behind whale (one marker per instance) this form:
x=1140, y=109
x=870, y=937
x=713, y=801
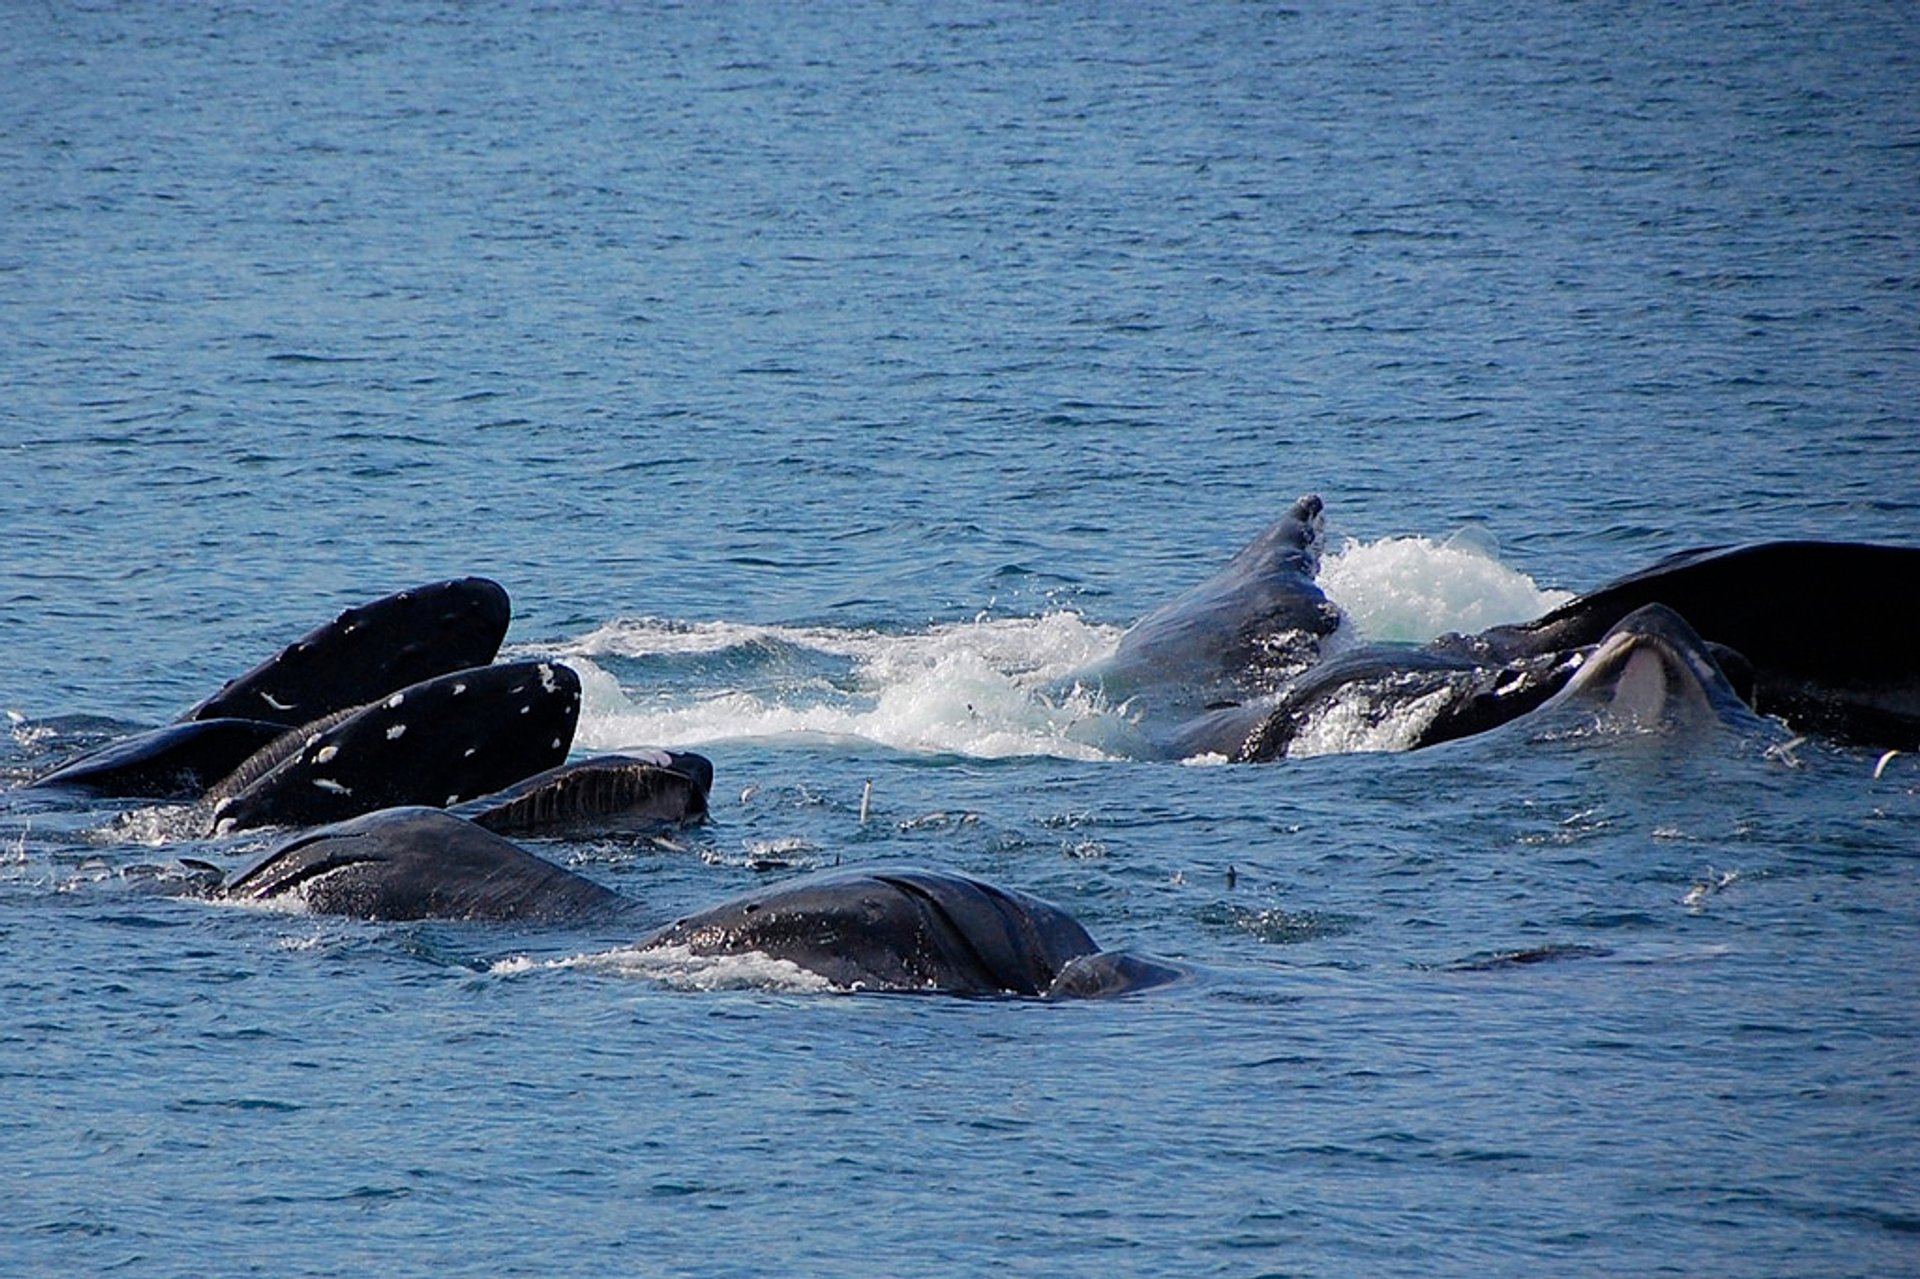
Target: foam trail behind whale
x=980, y=689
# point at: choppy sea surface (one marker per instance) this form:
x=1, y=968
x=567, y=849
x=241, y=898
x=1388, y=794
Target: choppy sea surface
x=825, y=382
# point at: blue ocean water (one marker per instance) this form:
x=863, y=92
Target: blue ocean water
x=822, y=382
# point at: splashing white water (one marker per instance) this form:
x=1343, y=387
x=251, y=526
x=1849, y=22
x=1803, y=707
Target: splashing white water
x=678, y=968
x=977, y=689
x=990, y=688
x=1356, y=722
x=1411, y=589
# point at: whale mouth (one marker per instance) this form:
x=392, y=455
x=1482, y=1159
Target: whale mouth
x=296, y=881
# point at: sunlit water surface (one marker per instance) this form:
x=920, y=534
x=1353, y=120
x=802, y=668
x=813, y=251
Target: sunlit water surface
x=826, y=386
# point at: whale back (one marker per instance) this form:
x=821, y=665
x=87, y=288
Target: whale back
x=419, y=863
x=894, y=930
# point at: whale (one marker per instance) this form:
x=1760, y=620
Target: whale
x=1406, y=697
x=1241, y=633
x=369, y=651
x=911, y=931
x=1411, y=698
x=491, y=739
x=439, y=742
x=1651, y=673
x=178, y=761
x=364, y=654
x=599, y=797
x=1244, y=664
x=880, y=930
x=1248, y=666
x=414, y=862
x=1829, y=631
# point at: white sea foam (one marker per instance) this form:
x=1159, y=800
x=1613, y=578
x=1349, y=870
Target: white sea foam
x=159, y=824
x=977, y=688
x=679, y=968
x=993, y=687
x=1356, y=721
x=1413, y=588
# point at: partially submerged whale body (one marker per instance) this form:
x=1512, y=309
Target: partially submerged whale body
x=1391, y=697
x=914, y=931
x=362, y=655
x=368, y=651
x=1650, y=673
x=420, y=863
x=605, y=795
x=178, y=761
x=908, y=931
x=1830, y=630
x=439, y=742
x=492, y=737
x=1241, y=633
x=1825, y=635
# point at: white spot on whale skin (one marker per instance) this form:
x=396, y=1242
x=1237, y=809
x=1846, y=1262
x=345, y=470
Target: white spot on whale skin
x=328, y=784
x=556, y=744
x=325, y=754
x=459, y=689
x=393, y=734
x=393, y=702
x=546, y=678
x=275, y=702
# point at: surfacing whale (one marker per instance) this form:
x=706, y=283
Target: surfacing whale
x=177, y=761
x=1241, y=633
x=905, y=931
x=1831, y=630
x=910, y=930
x=604, y=795
x=492, y=737
x=420, y=863
x=1650, y=673
x=364, y=654
x=438, y=742
x=1240, y=665
x=1825, y=635
x=368, y=651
